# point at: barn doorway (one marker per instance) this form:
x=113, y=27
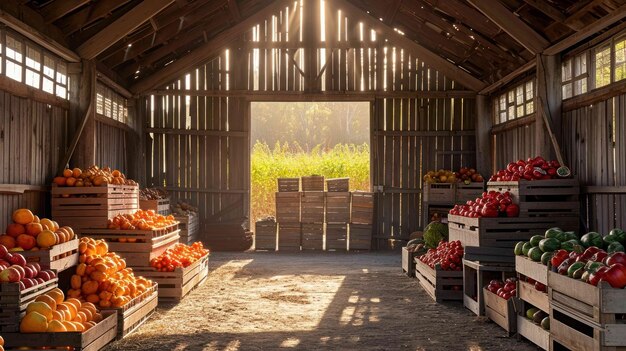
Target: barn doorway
x=294, y=139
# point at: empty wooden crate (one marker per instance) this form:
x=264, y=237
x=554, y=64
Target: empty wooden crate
x=265, y=235
x=362, y=208
x=338, y=207
x=360, y=237
x=338, y=185
x=313, y=183
x=312, y=236
x=312, y=207
x=336, y=237
x=289, y=236
x=288, y=184
x=288, y=207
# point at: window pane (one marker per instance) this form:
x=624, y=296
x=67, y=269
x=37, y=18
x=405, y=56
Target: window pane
x=48, y=85
x=511, y=112
x=32, y=78
x=580, y=86
x=33, y=58
x=530, y=91
x=61, y=74
x=14, y=71
x=502, y=117
x=519, y=95
x=566, y=70
x=14, y=49
x=567, y=91
x=503, y=102
x=511, y=97
x=48, y=66
x=603, y=67
x=61, y=92
x=530, y=107
x=520, y=110
x=99, y=104
x=580, y=66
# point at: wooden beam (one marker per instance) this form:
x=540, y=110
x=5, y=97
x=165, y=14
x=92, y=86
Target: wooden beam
x=513, y=124
x=57, y=9
x=435, y=61
x=121, y=27
x=547, y=9
x=603, y=189
x=318, y=96
x=392, y=11
x=39, y=38
x=548, y=107
x=515, y=27
x=594, y=96
x=588, y=31
x=16, y=88
x=17, y=189
x=207, y=51
x=87, y=15
x=484, y=121
x=214, y=133
x=233, y=8
x=509, y=77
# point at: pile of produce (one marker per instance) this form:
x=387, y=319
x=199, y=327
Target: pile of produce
x=536, y=168
x=179, y=255
x=28, y=232
x=434, y=233
x=141, y=220
x=491, y=204
x=93, y=176
x=53, y=313
x=102, y=277
x=465, y=175
x=417, y=246
x=538, y=317
x=447, y=256
x=14, y=269
x=183, y=208
x=505, y=290
x=152, y=194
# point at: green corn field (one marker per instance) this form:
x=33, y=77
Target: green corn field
x=289, y=161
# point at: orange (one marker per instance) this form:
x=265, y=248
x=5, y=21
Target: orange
x=71, y=181
x=47, y=224
x=58, y=316
x=67, y=173
x=71, y=327
x=33, y=228
x=49, y=300
x=60, y=181
x=56, y=326
x=57, y=295
x=47, y=239
x=40, y=307
x=34, y=322
x=23, y=216
x=77, y=304
x=7, y=241
x=15, y=229
x=76, y=172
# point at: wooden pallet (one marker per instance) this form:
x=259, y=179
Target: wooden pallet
x=533, y=332
x=503, y=232
x=173, y=286
x=360, y=237
x=288, y=184
x=59, y=257
x=467, y=192
x=13, y=302
x=439, y=193
x=313, y=183
x=531, y=269
x=289, y=237
x=91, y=207
x=337, y=207
x=336, y=237
x=362, y=209
x=408, y=262
x=288, y=207
x=501, y=311
x=189, y=227
x=265, y=235
x=160, y=206
x=338, y=184
x=93, y=339
x=476, y=276
x=312, y=207
x=313, y=236
x=539, y=198
x=148, y=243
x=440, y=285
x=135, y=312
x=575, y=332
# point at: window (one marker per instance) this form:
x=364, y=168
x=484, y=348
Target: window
x=110, y=104
x=515, y=103
x=603, y=66
x=620, y=60
x=574, y=76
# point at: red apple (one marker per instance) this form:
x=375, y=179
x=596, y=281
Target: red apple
x=28, y=283
x=3, y=262
x=51, y=273
x=36, y=266
x=40, y=281
x=44, y=275
x=3, y=251
x=3, y=267
x=18, y=259
x=10, y=275
x=21, y=270
x=8, y=257
x=22, y=286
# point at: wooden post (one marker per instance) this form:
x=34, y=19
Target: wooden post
x=548, y=91
x=83, y=146
x=484, y=122
x=311, y=26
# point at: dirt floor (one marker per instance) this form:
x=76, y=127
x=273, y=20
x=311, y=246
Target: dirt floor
x=313, y=301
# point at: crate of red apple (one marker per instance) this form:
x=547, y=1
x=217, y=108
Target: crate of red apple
x=439, y=271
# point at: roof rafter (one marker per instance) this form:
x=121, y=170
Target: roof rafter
x=515, y=27
x=58, y=9
x=88, y=15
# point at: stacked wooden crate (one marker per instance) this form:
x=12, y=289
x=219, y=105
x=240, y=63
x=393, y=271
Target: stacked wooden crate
x=439, y=284
x=528, y=297
x=13, y=302
x=91, y=207
x=476, y=275
x=173, y=286
x=265, y=234
x=58, y=257
x=337, y=214
x=288, y=214
x=439, y=198
x=136, y=311
x=189, y=227
x=361, y=221
x=313, y=211
x=160, y=206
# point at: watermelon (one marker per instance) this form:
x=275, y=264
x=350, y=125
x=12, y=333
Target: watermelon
x=539, y=316
x=619, y=234
x=553, y=232
x=574, y=267
x=519, y=248
x=549, y=245
x=592, y=239
x=525, y=248
x=531, y=312
x=535, y=254
x=571, y=236
x=545, y=323
x=546, y=257
x=568, y=245
x=615, y=246
x=535, y=239
x=609, y=239
x=415, y=242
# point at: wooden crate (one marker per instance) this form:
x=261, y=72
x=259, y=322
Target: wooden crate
x=265, y=235
x=467, y=192
x=313, y=183
x=59, y=257
x=312, y=208
x=13, y=302
x=362, y=209
x=531, y=269
x=575, y=332
x=148, y=243
x=160, y=206
x=538, y=198
x=408, y=262
x=503, y=232
x=440, y=285
x=93, y=339
x=527, y=293
x=360, y=237
x=429, y=210
x=501, y=311
x=336, y=237
x=337, y=207
x=289, y=236
x=599, y=304
x=189, y=227
x=338, y=184
x=288, y=184
x=288, y=207
x=312, y=236
x=439, y=193
x=135, y=312
x=476, y=276
x=173, y=286
x=91, y=207
x=533, y=332
x=489, y=255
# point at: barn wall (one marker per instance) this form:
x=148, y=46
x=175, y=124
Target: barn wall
x=33, y=135
x=111, y=150
x=198, y=127
x=514, y=144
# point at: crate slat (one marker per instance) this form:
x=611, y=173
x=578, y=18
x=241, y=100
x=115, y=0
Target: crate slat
x=338, y=207
x=135, y=312
x=59, y=257
x=362, y=208
x=439, y=284
x=466, y=192
x=336, y=237
x=288, y=207
x=360, y=236
x=338, y=184
x=312, y=236
x=534, y=333
x=312, y=204
x=288, y=184
x=265, y=235
x=531, y=269
x=552, y=197
x=13, y=302
x=476, y=275
x=160, y=206
x=439, y=193
x=500, y=311
x=312, y=183
x=177, y=284
x=289, y=236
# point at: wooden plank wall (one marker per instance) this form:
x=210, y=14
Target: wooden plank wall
x=111, y=150
x=33, y=135
x=200, y=143
x=594, y=142
x=514, y=144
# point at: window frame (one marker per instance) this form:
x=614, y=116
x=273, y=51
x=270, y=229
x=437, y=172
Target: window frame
x=506, y=104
